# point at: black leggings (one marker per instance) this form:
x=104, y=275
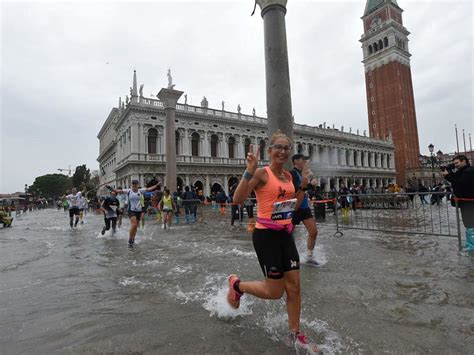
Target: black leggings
x=107, y=223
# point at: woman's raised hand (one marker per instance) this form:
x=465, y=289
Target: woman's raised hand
x=252, y=159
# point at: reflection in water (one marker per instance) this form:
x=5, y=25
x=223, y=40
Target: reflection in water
x=76, y=290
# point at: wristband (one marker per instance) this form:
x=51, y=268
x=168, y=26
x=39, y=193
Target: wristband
x=247, y=176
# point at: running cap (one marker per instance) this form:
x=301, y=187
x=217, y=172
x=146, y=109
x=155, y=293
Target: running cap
x=299, y=156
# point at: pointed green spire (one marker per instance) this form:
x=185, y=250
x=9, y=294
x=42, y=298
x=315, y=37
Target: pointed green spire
x=375, y=4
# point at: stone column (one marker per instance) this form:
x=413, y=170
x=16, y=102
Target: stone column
x=343, y=156
x=207, y=188
x=170, y=97
x=240, y=148
x=277, y=73
x=226, y=185
x=316, y=158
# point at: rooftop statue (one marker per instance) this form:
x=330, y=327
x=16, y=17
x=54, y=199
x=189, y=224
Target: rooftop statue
x=141, y=90
x=170, y=80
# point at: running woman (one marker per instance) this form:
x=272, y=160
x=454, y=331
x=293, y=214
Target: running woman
x=303, y=214
x=167, y=207
x=74, y=203
x=110, y=208
x=135, y=207
x=272, y=238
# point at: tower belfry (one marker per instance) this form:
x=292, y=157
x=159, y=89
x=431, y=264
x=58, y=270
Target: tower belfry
x=390, y=99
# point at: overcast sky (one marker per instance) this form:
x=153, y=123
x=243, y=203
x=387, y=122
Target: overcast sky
x=64, y=65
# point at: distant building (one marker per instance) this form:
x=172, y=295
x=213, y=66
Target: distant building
x=211, y=145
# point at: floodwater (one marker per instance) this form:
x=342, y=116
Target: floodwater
x=76, y=291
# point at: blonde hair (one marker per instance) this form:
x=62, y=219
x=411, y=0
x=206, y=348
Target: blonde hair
x=280, y=134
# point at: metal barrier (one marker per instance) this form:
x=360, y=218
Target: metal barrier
x=407, y=213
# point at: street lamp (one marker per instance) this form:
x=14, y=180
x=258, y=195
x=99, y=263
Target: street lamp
x=432, y=158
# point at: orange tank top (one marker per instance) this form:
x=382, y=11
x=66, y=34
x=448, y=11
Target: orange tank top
x=273, y=191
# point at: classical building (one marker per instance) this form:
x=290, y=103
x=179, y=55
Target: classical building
x=390, y=100
x=211, y=145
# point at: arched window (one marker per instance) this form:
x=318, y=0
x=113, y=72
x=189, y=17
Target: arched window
x=385, y=42
x=247, y=146
x=370, y=49
x=376, y=48
x=370, y=159
x=195, y=144
x=300, y=148
x=231, y=145
x=177, y=138
x=214, y=144
x=380, y=44
x=311, y=152
x=262, y=149
x=362, y=157
x=355, y=158
x=347, y=157
x=152, y=140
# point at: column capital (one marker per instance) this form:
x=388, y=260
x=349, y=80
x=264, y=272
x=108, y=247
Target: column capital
x=169, y=97
x=265, y=5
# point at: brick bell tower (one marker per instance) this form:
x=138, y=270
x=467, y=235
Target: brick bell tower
x=390, y=100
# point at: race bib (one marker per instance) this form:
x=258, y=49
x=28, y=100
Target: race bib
x=284, y=209
x=113, y=208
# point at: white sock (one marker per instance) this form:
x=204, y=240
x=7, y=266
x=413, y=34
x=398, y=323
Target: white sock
x=310, y=254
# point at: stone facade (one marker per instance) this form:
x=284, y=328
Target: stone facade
x=211, y=145
x=389, y=88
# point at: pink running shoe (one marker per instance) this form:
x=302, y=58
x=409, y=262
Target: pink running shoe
x=302, y=342
x=233, y=297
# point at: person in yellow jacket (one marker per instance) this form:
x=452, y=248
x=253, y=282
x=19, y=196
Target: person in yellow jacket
x=167, y=207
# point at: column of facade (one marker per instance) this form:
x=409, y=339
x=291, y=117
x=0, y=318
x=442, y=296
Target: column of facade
x=343, y=156
x=372, y=159
x=366, y=159
x=226, y=184
x=379, y=160
x=207, y=188
x=240, y=148
x=315, y=158
x=135, y=147
x=325, y=159
x=359, y=158
x=351, y=157
x=334, y=153
x=186, y=143
x=206, y=145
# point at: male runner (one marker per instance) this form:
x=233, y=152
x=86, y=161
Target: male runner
x=303, y=214
x=110, y=208
x=74, y=202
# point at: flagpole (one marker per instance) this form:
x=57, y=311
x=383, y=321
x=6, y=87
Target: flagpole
x=457, y=141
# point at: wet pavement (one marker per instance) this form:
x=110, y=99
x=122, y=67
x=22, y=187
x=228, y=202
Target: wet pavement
x=76, y=291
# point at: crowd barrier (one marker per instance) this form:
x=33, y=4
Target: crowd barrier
x=407, y=213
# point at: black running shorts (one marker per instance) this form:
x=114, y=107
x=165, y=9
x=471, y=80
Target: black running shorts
x=135, y=214
x=276, y=252
x=74, y=211
x=301, y=215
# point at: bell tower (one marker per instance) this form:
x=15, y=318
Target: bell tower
x=390, y=100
